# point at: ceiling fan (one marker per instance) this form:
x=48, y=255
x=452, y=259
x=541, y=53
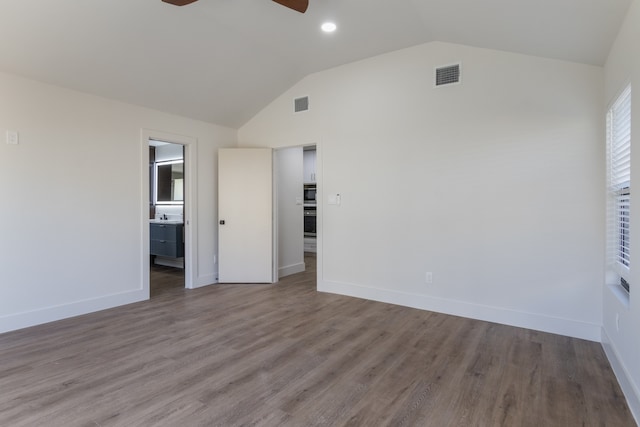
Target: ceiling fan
x=297, y=5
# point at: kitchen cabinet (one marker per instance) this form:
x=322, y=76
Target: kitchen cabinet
x=309, y=165
x=167, y=240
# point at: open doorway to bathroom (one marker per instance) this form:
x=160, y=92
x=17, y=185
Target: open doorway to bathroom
x=166, y=218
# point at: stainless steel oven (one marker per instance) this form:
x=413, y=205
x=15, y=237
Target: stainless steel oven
x=309, y=194
x=310, y=221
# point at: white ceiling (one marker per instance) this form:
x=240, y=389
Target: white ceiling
x=222, y=61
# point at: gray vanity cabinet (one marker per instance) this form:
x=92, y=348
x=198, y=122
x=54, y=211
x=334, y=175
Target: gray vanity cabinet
x=167, y=240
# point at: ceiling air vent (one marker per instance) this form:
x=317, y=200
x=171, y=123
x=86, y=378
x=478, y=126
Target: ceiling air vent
x=447, y=75
x=301, y=104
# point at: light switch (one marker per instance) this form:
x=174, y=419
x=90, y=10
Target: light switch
x=333, y=199
x=12, y=137
x=298, y=200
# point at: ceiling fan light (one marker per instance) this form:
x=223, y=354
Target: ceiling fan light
x=328, y=27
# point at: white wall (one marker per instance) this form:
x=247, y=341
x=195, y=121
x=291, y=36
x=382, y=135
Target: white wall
x=623, y=344
x=494, y=185
x=72, y=213
x=290, y=223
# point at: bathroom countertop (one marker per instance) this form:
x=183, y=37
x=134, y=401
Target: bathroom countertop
x=165, y=221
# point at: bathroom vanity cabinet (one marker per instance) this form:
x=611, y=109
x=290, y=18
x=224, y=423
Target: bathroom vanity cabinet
x=167, y=240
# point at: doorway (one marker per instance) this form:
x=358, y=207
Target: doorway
x=259, y=202
x=166, y=217
x=296, y=207
x=167, y=214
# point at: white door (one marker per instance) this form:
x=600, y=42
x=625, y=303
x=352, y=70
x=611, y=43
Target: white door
x=245, y=215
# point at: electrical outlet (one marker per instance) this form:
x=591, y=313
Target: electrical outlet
x=428, y=278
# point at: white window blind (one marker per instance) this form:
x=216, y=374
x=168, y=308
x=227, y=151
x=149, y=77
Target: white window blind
x=619, y=158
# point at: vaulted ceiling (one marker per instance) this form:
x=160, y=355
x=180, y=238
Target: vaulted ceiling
x=222, y=61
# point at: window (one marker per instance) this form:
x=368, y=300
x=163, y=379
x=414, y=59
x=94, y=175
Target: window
x=619, y=183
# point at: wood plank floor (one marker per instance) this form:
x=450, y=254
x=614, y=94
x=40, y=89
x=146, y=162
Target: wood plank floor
x=165, y=279
x=285, y=355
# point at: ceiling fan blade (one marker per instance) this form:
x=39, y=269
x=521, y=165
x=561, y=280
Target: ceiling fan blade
x=297, y=5
x=179, y=2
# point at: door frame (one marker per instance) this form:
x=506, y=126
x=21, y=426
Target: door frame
x=190, y=205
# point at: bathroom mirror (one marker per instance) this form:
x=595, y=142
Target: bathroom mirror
x=169, y=188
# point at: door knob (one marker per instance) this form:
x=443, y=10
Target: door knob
x=222, y=222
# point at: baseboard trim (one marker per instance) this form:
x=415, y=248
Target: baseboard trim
x=291, y=269
x=26, y=319
x=629, y=388
x=538, y=322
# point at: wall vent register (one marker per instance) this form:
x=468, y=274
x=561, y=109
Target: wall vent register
x=301, y=104
x=447, y=75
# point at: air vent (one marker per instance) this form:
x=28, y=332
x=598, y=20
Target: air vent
x=447, y=75
x=624, y=284
x=301, y=104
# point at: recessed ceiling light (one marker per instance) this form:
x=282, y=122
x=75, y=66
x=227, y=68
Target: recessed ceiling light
x=328, y=27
